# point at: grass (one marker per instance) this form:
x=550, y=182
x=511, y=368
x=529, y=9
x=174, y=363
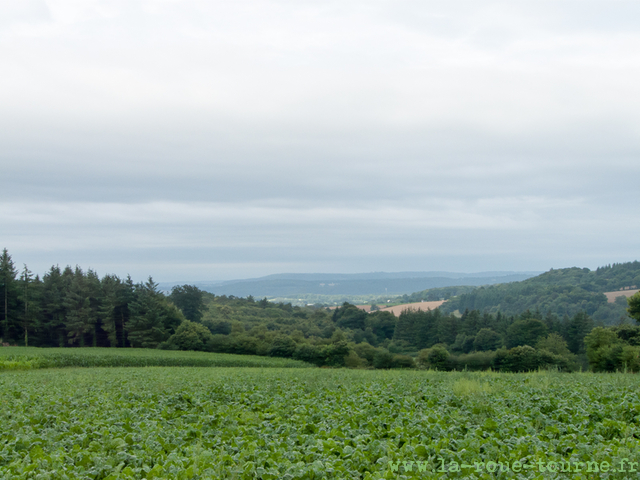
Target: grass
x=27, y=358
x=466, y=386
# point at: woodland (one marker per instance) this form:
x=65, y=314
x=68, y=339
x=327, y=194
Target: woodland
x=556, y=320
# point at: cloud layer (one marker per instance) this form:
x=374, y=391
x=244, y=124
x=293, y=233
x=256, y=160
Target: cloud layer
x=214, y=140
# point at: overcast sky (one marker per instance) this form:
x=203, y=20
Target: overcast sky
x=213, y=140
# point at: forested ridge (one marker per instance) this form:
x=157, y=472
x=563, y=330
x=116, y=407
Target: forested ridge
x=566, y=291
x=74, y=308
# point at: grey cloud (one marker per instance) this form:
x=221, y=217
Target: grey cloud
x=226, y=137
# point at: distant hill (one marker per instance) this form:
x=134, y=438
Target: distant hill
x=376, y=283
x=562, y=292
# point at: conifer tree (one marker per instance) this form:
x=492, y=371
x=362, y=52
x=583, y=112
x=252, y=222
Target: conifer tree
x=9, y=328
x=152, y=320
x=28, y=287
x=77, y=302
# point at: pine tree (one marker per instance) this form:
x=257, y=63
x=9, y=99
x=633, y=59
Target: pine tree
x=152, y=320
x=77, y=302
x=94, y=292
x=29, y=290
x=114, y=308
x=110, y=285
x=9, y=324
x=53, y=310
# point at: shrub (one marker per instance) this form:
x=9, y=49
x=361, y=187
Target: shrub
x=310, y=354
x=473, y=361
x=470, y=387
x=630, y=358
x=352, y=360
x=421, y=359
x=245, y=345
x=604, y=349
x=282, y=346
x=335, y=353
x=403, y=361
x=190, y=336
x=463, y=343
x=519, y=359
x=400, y=347
x=525, y=332
x=486, y=339
x=383, y=359
x=219, y=344
x=555, y=344
x=365, y=351
x=222, y=327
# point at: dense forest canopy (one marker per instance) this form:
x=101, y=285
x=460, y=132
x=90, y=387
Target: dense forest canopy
x=566, y=291
x=74, y=308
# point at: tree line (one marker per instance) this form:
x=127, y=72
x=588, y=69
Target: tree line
x=73, y=308
x=70, y=307
x=566, y=291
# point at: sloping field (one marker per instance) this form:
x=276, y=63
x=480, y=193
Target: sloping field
x=398, y=309
x=611, y=296
x=424, y=306
x=27, y=358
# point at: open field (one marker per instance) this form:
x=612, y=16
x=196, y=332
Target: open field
x=200, y=423
x=398, y=309
x=30, y=357
x=611, y=296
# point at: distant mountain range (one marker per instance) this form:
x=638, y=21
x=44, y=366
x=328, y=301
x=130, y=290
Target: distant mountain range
x=376, y=283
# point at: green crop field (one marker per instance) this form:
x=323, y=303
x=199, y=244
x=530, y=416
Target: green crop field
x=245, y=423
x=20, y=358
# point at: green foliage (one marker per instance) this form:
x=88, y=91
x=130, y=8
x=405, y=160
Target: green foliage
x=153, y=319
x=525, y=332
x=403, y=361
x=382, y=325
x=366, y=351
x=473, y=361
x=33, y=357
x=282, y=346
x=435, y=358
x=525, y=359
x=465, y=387
x=76, y=308
x=463, y=343
x=561, y=292
x=335, y=353
x=607, y=352
x=486, y=339
x=350, y=317
x=329, y=424
x=575, y=331
x=555, y=344
x=383, y=359
x=420, y=329
x=310, y=353
x=634, y=307
x=190, y=300
x=9, y=298
x=600, y=337
x=221, y=327
x=628, y=333
x=435, y=294
x=352, y=360
x=190, y=336
x=245, y=345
